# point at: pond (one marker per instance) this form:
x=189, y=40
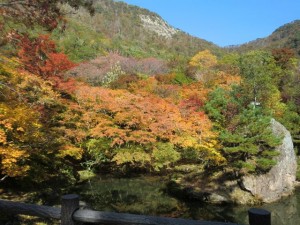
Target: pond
x=147, y=195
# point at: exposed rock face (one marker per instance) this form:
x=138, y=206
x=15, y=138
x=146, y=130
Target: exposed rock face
x=158, y=26
x=280, y=180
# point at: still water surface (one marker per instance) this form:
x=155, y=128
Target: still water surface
x=146, y=195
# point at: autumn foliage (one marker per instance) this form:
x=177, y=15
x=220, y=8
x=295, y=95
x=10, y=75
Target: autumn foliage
x=30, y=140
x=136, y=116
x=39, y=56
x=120, y=113
x=128, y=119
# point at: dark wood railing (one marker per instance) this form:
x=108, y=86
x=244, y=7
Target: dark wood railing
x=71, y=214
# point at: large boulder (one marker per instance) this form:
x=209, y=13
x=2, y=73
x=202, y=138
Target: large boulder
x=250, y=189
x=280, y=180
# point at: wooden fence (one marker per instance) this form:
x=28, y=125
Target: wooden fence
x=71, y=214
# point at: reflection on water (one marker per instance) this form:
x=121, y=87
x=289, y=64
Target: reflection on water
x=135, y=195
x=146, y=195
x=287, y=211
x=284, y=212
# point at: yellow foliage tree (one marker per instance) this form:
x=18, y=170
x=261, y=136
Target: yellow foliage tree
x=18, y=126
x=203, y=60
x=18, y=123
x=31, y=138
x=201, y=64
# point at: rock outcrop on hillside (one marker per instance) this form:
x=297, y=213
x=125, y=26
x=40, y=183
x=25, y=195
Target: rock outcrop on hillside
x=158, y=26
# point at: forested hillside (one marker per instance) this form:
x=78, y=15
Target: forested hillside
x=128, y=30
x=286, y=36
x=105, y=93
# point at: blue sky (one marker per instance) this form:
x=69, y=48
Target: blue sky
x=225, y=22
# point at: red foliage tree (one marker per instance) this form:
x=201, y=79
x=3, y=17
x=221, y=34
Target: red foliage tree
x=39, y=56
x=283, y=56
x=33, y=53
x=56, y=64
x=192, y=104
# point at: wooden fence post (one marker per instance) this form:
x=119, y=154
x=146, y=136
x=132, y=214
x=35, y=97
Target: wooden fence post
x=69, y=204
x=259, y=217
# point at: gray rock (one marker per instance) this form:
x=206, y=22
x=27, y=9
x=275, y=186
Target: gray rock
x=216, y=198
x=158, y=25
x=280, y=180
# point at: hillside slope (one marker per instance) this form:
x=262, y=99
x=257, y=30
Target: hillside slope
x=286, y=36
x=128, y=30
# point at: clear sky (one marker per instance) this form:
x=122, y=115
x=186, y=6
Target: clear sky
x=225, y=22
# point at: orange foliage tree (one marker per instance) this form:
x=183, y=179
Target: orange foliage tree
x=131, y=120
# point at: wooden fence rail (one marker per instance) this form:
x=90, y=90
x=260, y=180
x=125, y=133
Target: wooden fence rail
x=71, y=214
x=15, y=208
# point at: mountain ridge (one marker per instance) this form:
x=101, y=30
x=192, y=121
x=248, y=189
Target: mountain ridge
x=133, y=31
x=129, y=30
x=285, y=36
